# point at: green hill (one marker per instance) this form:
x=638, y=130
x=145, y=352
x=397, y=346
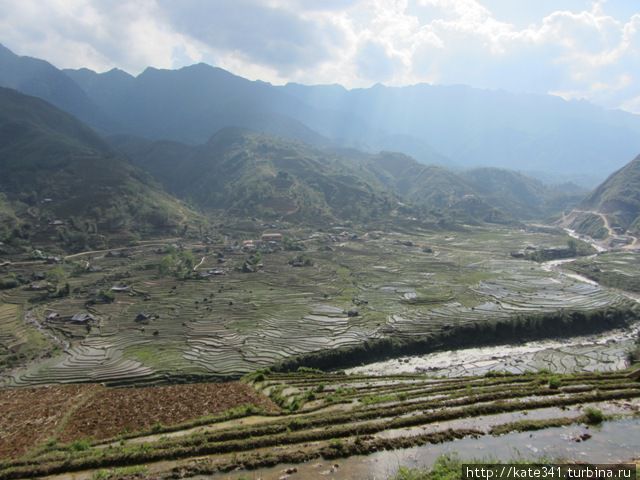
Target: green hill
x=489, y=194
x=248, y=173
x=68, y=185
x=618, y=197
x=423, y=184
x=8, y=220
x=521, y=196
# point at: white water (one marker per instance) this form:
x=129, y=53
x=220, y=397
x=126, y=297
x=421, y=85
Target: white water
x=477, y=358
x=553, y=265
x=572, y=233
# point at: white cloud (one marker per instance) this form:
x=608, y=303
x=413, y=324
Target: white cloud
x=587, y=52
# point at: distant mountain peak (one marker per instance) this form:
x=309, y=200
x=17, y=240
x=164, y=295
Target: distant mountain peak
x=448, y=125
x=47, y=153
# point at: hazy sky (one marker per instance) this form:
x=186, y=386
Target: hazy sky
x=573, y=48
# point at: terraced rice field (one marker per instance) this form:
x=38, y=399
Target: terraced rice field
x=19, y=341
x=227, y=325
x=329, y=417
x=617, y=269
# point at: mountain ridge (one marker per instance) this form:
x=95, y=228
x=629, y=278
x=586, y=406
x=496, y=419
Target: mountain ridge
x=239, y=167
x=67, y=184
x=446, y=125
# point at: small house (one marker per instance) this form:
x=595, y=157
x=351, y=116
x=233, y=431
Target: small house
x=38, y=286
x=83, y=318
x=271, y=237
x=120, y=288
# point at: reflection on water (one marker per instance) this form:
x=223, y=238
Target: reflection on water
x=604, y=352
x=614, y=441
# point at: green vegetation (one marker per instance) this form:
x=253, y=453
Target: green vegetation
x=449, y=467
x=593, y=416
x=634, y=353
x=250, y=174
x=413, y=403
x=554, y=382
x=9, y=282
x=80, y=445
x=614, y=269
x=67, y=185
x=618, y=196
x=253, y=174
x=590, y=224
x=116, y=473
x=446, y=467
x=9, y=223
x=178, y=263
x=574, y=248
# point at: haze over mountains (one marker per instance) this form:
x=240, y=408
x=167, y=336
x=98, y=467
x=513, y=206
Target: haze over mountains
x=310, y=154
x=257, y=174
x=57, y=172
x=453, y=125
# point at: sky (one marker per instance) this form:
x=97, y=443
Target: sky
x=577, y=49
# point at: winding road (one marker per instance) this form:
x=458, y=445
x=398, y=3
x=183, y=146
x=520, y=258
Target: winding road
x=611, y=233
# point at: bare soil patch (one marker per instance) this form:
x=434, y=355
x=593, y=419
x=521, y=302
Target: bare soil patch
x=31, y=416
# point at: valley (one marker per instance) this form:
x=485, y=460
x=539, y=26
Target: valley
x=166, y=312
x=205, y=276
x=325, y=299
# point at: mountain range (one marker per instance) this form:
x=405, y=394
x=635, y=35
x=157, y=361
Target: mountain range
x=445, y=125
x=251, y=173
x=64, y=183
x=98, y=156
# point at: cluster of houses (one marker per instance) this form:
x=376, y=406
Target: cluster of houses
x=267, y=239
x=80, y=318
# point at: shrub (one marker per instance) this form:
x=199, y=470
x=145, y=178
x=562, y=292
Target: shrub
x=8, y=282
x=157, y=427
x=593, y=416
x=309, y=370
x=80, y=445
x=295, y=405
x=336, y=444
x=554, y=382
x=106, y=296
